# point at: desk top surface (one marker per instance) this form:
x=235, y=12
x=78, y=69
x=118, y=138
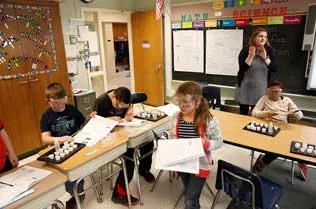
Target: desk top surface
x=44, y=186
x=87, y=154
x=232, y=131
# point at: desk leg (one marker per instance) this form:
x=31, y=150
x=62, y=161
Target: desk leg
x=292, y=172
x=251, y=161
x=126, y=183
x=136, y=161
x=95, y=186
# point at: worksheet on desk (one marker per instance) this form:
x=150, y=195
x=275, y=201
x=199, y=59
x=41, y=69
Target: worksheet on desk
x=96, y=129
x=18, y=184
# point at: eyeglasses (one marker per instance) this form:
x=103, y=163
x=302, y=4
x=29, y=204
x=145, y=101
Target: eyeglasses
x=275, y=91
x=184, y=101
x=58, y=101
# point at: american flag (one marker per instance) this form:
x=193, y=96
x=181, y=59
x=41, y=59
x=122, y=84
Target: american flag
x=159, y=9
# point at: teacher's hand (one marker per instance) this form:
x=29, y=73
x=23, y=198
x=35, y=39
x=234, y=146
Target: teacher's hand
x=263, y=53
x=252, y=50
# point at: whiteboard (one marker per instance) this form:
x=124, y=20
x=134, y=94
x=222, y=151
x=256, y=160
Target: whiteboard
x=188, y=53
x=311, y=82
x=222, y=50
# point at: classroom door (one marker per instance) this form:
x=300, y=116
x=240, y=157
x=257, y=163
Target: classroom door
x=148, y=56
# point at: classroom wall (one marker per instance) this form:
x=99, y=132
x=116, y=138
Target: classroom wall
x=296, y=6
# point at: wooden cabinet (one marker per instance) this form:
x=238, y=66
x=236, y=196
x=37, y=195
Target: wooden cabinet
x=32, y=55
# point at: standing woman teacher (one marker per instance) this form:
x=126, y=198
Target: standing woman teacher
x=256, y=62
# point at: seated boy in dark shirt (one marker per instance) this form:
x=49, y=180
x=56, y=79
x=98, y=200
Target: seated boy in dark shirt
x=115, y=104
x=58, y=123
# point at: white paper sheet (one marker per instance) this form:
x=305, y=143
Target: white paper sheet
x=222, y=50
x=92, y=38
x=20, y=196
x=96, y=129
x=71, y=50
x=17, y=184
x=25, y=176
x=83, y=30
x=72, y=67
x=95, y=60
x=175, y=151
x=69, y=29
x=190, y=166
x=188, y=51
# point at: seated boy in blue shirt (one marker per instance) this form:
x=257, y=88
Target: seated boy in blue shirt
x=58, y=123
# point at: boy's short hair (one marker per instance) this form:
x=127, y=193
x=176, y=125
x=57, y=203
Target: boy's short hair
x=275, y=83
x=123, y=94
x=55, y=91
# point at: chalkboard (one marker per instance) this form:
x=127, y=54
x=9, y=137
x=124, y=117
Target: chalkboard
x=286, y=40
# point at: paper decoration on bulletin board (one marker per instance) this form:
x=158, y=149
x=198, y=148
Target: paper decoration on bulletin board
x=37, y=36
x=241, y=3
x=229, y=3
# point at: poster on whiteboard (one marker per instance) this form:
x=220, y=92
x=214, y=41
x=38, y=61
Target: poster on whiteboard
x=188, y=53
x=222, y=50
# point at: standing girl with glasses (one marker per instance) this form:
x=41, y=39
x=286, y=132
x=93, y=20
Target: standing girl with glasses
x=195, y=121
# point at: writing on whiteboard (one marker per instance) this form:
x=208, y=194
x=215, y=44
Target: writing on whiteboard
x=222, y=50
x=188, y=51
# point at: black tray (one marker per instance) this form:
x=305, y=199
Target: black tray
x=275, y=132
x=298, y=151
x=45, y=157
x=151, y=118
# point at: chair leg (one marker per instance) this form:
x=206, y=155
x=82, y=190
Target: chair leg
x=215, y=199
x=210, y=189
x=178, y=200
x=96, y=189
x=156, y=181
x=292, y=172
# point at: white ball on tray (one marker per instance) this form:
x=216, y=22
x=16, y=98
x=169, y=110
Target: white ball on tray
x=297, y=145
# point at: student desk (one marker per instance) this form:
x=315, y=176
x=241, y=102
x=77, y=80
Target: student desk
x=232, y=125
x=89, y=159
x=138, y=136
x=45, y=192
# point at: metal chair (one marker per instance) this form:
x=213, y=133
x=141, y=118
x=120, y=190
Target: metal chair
x=246, y=188
x=213, y=95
